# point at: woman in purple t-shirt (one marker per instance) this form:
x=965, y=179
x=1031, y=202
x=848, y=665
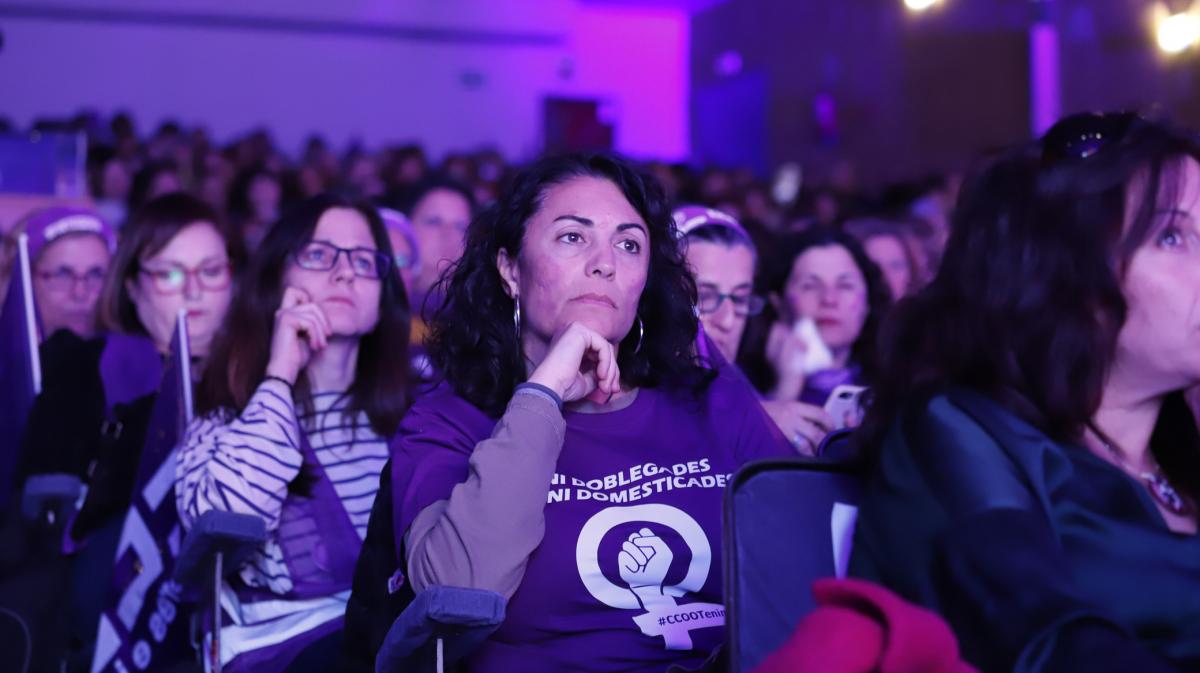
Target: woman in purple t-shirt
x=575, y=455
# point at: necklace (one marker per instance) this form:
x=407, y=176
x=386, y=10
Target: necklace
x=1160, y=487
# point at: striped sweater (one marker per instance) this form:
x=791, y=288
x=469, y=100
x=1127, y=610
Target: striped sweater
x=244, y=464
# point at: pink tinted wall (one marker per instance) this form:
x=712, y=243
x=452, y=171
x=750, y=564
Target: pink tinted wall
x=452, y=74
x=642, y=57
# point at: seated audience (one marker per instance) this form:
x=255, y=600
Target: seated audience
x=574, y=455
x=92, y=416
x=722, y=258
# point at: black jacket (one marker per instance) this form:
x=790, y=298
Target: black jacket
x=372, y=608
x=1040, y=555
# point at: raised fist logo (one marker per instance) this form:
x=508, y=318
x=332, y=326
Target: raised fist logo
x=644, y=561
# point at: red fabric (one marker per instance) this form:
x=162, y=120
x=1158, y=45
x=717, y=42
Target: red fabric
x=860, y=627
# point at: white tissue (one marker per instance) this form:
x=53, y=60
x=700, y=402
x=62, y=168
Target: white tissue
x=817, y=355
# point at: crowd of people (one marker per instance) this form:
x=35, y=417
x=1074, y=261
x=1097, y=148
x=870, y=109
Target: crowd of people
x=538, y=379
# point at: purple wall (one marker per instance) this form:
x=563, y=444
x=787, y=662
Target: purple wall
x=452, y=74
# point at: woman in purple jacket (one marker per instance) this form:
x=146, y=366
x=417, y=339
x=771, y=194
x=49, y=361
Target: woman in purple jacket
x=574, y=456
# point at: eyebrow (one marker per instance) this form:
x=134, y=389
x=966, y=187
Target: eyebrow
x=588, y=223
x=206, y=260
x=328, y=242
x=67, y=267
x=714, y=285
x=1174, y=212
x=849, y=275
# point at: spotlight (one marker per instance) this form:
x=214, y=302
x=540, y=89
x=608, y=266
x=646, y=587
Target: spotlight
x=920, y=5
x=1178, y=32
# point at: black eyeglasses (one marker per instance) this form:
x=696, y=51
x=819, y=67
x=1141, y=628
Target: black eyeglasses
x=364, y=262
x=744, y=303
x=1081, y=136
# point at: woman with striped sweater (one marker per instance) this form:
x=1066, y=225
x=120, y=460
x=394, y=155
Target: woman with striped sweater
x=297, y=433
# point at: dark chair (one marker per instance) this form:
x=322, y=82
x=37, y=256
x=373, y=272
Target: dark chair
x=16, y=641
x=838, y=446
x=440, y=627
x=217, y=544
x=50, y=498
x=788, y=522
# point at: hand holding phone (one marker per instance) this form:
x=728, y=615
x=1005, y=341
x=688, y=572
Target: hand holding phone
x=845, y=406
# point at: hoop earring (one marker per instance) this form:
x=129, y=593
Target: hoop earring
x=517, y=316
x=641, y=335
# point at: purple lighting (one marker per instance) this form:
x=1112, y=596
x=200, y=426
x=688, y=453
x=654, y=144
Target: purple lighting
x=1045, y=97
x=728, y=64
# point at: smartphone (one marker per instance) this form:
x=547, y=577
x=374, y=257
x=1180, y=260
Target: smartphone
x=845, y=400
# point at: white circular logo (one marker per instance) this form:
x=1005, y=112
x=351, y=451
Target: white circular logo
x=587, y=552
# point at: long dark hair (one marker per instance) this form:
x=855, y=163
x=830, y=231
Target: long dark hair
x=240, y=353
x=776, y=268
x=473, y=343
x=1027, y=305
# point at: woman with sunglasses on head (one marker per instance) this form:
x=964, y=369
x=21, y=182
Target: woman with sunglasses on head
x=722, y=257
x=91, y=420
x=1038, y=468
x=297, y=432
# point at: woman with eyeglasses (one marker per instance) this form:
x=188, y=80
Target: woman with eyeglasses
x=1037, y=467
x=174, y=254
x=92, y=417
x=69, y=250
x=722, y=257
x=305, y=387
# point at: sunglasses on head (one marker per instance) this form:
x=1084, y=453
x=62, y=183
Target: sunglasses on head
x=1082, y=136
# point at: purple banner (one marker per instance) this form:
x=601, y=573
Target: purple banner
x=20, y=369
x=147, y=625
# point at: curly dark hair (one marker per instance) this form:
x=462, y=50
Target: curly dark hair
x=473, y=344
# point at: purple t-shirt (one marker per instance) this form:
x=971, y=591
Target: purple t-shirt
x=628, y=576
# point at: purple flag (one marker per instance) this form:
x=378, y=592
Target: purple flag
x=20, y=367
x=146, y=627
